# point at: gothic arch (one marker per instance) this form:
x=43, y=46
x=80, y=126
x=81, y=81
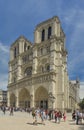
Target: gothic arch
x=25, y=46
x=47, y=67
x=49, y=32
x=24, y=98
x=41, y=97
x=15, y=52
x=43, y=35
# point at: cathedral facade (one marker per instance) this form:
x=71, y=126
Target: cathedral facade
x=38, y=75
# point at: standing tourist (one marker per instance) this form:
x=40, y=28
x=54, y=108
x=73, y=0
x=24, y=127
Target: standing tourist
x=37, y=113
x=11, y=110
x=64, y=116
x=4, y=109
x=55, y=116
x=43, y=116
x=77, y=116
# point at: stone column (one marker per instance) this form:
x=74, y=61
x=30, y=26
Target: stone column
x=11, y=54
x=21, y=47
x=63, y=103
x=19, y=76
x=8, y=99
x=10, y=74
x=56, y=27
x=52, y=55
x=52, y=96
x=51, y=101
x=46, y=33
x=63, y=92
x=70, y=102
x=17, y=99
x=34, y=71
x=32, y=101
x=32, y=96
x=37, y=36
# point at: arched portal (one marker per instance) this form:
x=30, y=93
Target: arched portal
x=13, y=100
x=41, y=98
x=24, y=98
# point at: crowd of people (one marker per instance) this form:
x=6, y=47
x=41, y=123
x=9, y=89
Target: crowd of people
x=42, y=114
x=47, y=115
x=5, y=108
x=78, y=116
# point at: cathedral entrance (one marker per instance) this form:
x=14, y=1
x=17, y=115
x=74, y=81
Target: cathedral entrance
x=43, y=104
x=24, y=98
x=27, y=103
x=41, y=98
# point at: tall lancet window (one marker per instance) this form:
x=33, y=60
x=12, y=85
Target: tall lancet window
x=18, y=48
x=25, y=47
x=15, y=52
x=49, y=32
x=43, y=35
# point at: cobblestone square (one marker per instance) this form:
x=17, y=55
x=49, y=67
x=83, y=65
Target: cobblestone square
x=24, y=121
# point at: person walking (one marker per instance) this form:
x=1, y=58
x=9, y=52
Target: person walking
x=11, y=110
x=77, y=117
x=4, y=109
x=42, y=115
x=37, y=111
x=59, y=116
x=55, y=116
x=64, y=116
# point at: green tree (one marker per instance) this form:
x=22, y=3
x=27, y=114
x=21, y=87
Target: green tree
x=81, y=104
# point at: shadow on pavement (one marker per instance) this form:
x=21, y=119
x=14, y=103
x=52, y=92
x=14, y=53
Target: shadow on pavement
x=72, y=122
x=30, y=123
x=81, y=127
x=35, y=123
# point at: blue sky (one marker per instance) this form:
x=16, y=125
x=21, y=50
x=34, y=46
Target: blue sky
x=19, y=17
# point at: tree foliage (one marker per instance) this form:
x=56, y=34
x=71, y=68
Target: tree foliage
x=81, y=104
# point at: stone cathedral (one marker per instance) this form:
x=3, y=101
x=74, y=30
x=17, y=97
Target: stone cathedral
x=38, y=75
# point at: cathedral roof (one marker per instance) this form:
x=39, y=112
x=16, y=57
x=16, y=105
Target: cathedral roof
x=55, y=18
x=21, y=38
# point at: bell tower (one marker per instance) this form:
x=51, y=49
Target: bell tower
x=47, y=29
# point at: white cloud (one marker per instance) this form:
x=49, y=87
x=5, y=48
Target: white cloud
x=4, y=55
x=75, y=61
x=74, y=18
x=3, y=81
x=69, y=16
x=3, y=48
x=4, y=52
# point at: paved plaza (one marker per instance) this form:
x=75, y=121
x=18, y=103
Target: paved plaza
x=24, y=121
